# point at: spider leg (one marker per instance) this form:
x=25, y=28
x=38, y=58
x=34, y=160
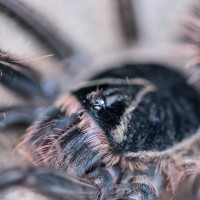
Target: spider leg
x=44, y=31
x=187, y=189
x=48, y=182
x=23, y=79
x=40, y=26
x=27, y=83
x=127, y=21
x=18, y=114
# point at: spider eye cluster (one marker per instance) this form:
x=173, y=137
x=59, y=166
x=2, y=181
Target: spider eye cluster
x=97, y=100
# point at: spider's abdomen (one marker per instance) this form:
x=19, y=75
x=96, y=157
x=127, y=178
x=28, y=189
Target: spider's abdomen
x=147, y=107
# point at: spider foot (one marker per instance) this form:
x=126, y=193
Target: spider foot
x=47, y=182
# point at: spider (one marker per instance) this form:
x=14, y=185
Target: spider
x=120, y=135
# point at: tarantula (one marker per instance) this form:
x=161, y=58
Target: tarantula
x=122, y=134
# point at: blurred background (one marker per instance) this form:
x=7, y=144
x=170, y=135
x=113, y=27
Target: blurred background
x=78, y=38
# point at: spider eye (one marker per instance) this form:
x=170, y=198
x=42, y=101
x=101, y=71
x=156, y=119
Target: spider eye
x=97, y=101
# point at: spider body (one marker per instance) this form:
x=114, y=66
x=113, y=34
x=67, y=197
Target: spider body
x=121, y=135
x=129, y=117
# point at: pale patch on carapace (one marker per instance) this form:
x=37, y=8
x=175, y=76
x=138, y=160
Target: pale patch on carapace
x=113, y=81
x=118, y=133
